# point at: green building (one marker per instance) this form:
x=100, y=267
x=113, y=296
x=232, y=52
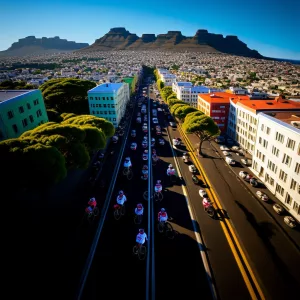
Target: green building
x=132, y=83
x=20, y=110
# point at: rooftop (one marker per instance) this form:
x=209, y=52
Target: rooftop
x=106, y=88
x=184, y=83
x=9, y=94
x=222, y=97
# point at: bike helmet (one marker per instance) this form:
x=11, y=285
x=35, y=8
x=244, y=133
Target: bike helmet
x=170, y=166
x=127, y=158
x=121, y=193
x=153, y=139
x=139, y=206
x=158, y=181
x=162, y=210
x=93, y=199
x=141, y=231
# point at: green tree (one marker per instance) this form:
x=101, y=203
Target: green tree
x=171, y=96
x=182, y=111
x=192, y=115
x=54, y=116
x=175, y=101
x=175, y=107
x=203, y=126
x=175, y=67
x=67, y=94
x=160, y=84
x=166, y=92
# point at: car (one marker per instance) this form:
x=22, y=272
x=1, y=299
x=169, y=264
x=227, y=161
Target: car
x=192, y=169
x=278, y=209
x=138, y=120
x=262, y=196
x=225, y=153
x=203, y=193
x=243, y=174
x=154, y=120
x=235, y=148
x=230, y=161
x=253, y=181
x=290, y=221
x=173, y=124
x=176, y=142
x=224, y=148
x=133, y=133
x=246, y=161
x=133, y=146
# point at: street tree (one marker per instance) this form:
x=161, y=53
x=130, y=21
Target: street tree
x=160, y=84
x=54, y=116
x=166, y=92
x=203, y=126
x=182, y=111
x=193, y=114
x=175, y=101
x=175, y=107
x=67, y=94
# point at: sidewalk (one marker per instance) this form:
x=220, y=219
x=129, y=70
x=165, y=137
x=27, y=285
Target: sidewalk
x=212, y=151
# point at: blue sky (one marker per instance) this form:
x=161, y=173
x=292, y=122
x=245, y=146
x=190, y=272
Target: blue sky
x=271, y=27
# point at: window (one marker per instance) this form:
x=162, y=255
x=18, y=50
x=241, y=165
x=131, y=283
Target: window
x=96, y=98
x=28, y=105
x=293, y=184
x=275, y=151
x=21, y=109
x=105, y=112
x=36, y=102
x=288, y=199
x=298, y=151
x=297, y=168
x=107, y=98
x=38, y=113
x=290, y=144
x=111, y=98
x=296, y=207
x=279, y=137
x=259, y=140
x=268, y=130
x=10, y=114
x=31, y=118
x=114, y=119
x=103, y=98
x=265, y=143
x=287, y=160
x=279, y=189
x=262, y=127
x=25, y=122
x=91, y=98
x=100, y=105
x=112, y=106
x=282, y=176
x=15, y=128
x=104, y=105
x=108, y=105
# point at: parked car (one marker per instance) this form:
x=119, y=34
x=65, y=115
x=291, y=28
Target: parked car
x=290, y=221
x=278, y=208
x=243, y=174
x=154, y=120
x=230, y=161
x=253, y=181
x=225, y=153
x=262, y=196
x=246, y=161
x=176, y=142
x=133, y=133
x=203, y=194
x=192, y=169
x=224, y=148
x=185, y=157
x=173, y=124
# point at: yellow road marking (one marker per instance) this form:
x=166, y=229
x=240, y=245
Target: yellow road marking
x=218, y=205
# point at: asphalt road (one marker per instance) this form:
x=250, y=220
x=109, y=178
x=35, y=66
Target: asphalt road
x=273, y=257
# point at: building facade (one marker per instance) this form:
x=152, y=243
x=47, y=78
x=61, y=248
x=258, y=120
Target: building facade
x=109, y=101
x=20, y=110
x=168, y=79
x=276, y=159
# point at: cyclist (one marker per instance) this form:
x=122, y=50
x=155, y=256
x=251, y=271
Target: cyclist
x=145, y=155
x=127, y=163
x=171, y=171
x=155, y=157
x=158, y=187
x=115, y=139
x=139, y=210
x=91, y=205
x=145, y=172
x=206, y=203
x=121, y=199
x=141, y=238
x=153, y=151
x=152, y=142
x=162, y=216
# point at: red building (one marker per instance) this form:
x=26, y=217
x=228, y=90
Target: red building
x=216, y=105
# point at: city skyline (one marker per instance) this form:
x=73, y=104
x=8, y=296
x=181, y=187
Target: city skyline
x=88, y=21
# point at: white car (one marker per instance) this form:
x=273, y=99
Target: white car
x=235, y=148
x=230, y=161
x=154, y=120
x=243, y=174
x=192, y=169
x=278, y=208
x=203, y=194
x=290, y=221
x=224, y=148
x=245, y=161
x=262, y=196
x=176, y=142
x=225, y=153
x=138, y=120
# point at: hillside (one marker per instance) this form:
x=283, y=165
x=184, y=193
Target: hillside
x=121, y=39
x=36, y=46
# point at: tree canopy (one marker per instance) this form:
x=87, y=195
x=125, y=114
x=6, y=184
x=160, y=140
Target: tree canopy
x=172, y=102
x=182, y=111
x=175, y=107
x=166, y=92
x=67, y=94
x=54, y=116
x=193, y=114
x=203, y=126
x=160, y=84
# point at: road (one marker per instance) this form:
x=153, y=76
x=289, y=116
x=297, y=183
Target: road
x=273, y=258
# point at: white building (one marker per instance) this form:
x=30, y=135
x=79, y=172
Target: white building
x=276, y=159
x=168, y=79
x=109, y=100
x=161, y=71
x=185, y=91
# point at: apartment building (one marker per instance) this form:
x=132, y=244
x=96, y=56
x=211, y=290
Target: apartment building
x=108, y=101
x=168, y=79
x=276, y=159
x=185, y=91
x=242, y=120
x=215, y=105
x=20, y=110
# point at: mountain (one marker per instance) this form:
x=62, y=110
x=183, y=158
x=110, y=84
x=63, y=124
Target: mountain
x=32, y=45
x=121, y=39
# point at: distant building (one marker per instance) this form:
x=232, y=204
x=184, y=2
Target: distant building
x=20, y=110
x=38, y=81
x=132, y=82
x=216, y=105
x=168, y=79
x=108, y=101
x=185, y=91
x=276, y=159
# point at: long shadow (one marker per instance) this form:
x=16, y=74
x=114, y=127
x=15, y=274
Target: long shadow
x=265, y=231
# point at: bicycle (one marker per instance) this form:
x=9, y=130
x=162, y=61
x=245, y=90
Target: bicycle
x=94, y=213
x=128, y=172
x=119, y=211
x=140, y=250
x=158, y=196
x=210, y=211
x=166, y=227
x=138, y=219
